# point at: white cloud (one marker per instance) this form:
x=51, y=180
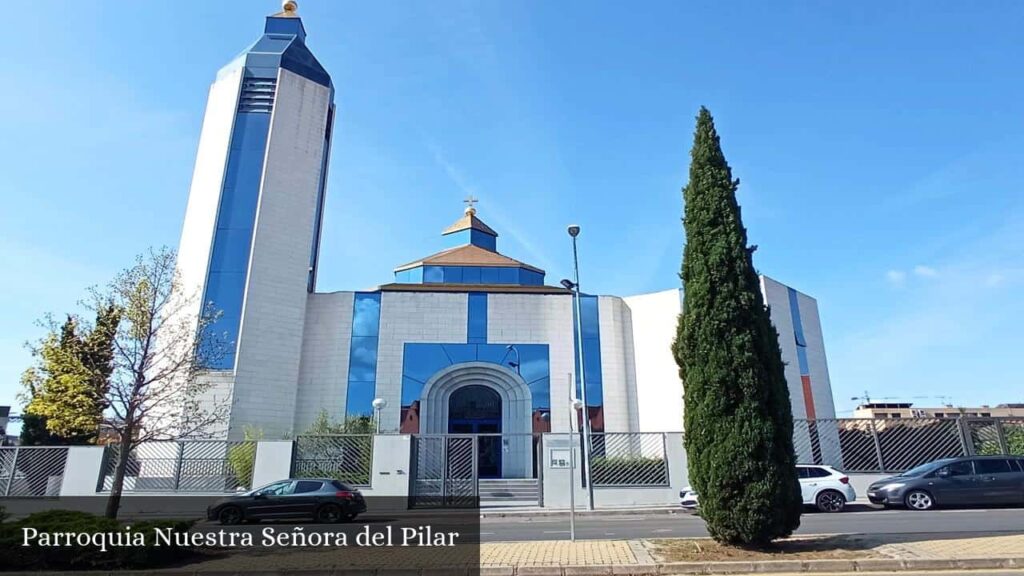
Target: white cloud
x=896, y=277
x=925, y=271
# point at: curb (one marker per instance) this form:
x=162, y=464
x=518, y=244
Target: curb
x=673, y=568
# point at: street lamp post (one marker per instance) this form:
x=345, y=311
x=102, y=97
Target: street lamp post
x=575, y=404
x=574, y=231
x=378, y=405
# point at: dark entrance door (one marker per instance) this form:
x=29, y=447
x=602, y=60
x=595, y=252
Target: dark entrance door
x=476, y=409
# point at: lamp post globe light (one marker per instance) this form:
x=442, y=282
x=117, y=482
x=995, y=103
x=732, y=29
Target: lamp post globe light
x=574, y=285
x=378, y=405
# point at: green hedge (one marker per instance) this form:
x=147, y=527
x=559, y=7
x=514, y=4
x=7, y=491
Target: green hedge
x=88, y=557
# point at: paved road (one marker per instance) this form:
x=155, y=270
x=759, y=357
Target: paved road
x=934, y=524
x=960, y=522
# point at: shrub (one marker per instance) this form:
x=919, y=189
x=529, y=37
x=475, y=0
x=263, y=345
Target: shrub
x=85, y=557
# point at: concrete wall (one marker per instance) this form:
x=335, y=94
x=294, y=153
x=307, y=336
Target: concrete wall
x=82, y=471
x=618, y=371
x=326, y=344
x=273, y=462
x=412, y=317
x=539, y=319
x=274, y=309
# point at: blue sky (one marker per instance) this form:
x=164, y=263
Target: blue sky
x=880, y=148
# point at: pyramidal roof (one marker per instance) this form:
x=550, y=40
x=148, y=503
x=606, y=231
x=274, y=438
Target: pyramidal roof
x=467, y=255
x=469, y=221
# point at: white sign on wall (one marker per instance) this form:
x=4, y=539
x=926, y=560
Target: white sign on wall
x=558, y=458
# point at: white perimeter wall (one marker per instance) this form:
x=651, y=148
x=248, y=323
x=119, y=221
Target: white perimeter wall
x=274, y=309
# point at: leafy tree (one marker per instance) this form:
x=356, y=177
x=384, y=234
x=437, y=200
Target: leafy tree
x=242, y=457
x=156, y=390
x=738, y=419
x=66, y=389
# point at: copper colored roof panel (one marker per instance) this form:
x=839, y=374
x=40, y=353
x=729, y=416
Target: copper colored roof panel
x=468, y=255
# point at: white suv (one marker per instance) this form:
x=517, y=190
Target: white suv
x=823, y=487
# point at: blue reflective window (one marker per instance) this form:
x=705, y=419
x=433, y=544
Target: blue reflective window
x=591, y=351
x=471, y=275
x=403, y=277
x=489, y=275
x=366, y=314
x=483, y=240
x=453, y=274
x=359, y=400
x=362, y=363
x=531, y=278
x=508, y=276
x=421, y=362
x=476, y=329
x=236, y=215
x=433, y=274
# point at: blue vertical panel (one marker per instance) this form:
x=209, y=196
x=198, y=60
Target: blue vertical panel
x=452, y=274
x=362, y=363
x=470, y=274
x=483, y=240
x=591, y=344
x=232, y=242
x=477, y=322
x=489, y=275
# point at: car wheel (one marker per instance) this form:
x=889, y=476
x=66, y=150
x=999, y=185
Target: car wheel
x=230, y=515
x=830, y=501
x=919, y=500
x=329, y=514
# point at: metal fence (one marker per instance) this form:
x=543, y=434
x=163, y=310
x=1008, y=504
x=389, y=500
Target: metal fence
x=32, y=472
x=184, y=466
x=898, y=444
x=628, y=459
x=345, y=457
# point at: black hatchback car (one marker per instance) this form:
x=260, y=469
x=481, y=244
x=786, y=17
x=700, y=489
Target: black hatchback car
x=320, y=499
x=952, y=482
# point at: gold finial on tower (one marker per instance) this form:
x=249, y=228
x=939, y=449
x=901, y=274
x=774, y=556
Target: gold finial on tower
x=470, y=201
x=289, y=8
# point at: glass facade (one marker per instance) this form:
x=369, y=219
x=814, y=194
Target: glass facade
x=421, y=361
x=362, y=367
x=498, y=275
x=476, y=328
x=591, y=328
x=236, y=216
x=474, y=237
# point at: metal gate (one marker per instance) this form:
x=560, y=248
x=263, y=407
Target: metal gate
x=444, y=471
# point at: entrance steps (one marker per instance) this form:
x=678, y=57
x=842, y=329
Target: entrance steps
x=509, y=491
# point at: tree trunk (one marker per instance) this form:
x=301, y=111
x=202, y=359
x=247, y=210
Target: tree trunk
x=116, y=487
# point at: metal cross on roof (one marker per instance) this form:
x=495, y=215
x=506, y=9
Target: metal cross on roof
x=470, y=200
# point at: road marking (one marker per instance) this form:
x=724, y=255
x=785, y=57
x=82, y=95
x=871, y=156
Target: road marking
x=609, y=533
x=487, y=533
x=660, y=530
x=556, y=532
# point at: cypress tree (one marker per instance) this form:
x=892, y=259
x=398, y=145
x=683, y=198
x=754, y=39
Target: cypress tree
x=738, y=419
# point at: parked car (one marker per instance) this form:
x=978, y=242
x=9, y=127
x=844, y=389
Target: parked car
x=320, y=499
x=823, y=487
x=954, y=482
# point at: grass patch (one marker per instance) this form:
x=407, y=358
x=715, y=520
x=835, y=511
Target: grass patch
x=706, y=549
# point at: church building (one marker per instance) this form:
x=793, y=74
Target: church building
x=463, y=340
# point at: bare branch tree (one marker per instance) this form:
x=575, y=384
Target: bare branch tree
x=161, y=349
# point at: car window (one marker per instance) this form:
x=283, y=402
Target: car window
x=992, y=466
x=925, y=468
x=818, y=473
x=957, y=469
x=1020, y=465
x=801, y=473
x=304, y=486
x=278, y=489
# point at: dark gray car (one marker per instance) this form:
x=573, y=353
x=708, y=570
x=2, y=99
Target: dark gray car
x=319, y=499
x=954, y=482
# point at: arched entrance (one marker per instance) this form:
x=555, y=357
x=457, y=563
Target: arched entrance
x=476, y=409
x=483, y=398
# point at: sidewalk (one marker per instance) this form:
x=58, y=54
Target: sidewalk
x=855, y=553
